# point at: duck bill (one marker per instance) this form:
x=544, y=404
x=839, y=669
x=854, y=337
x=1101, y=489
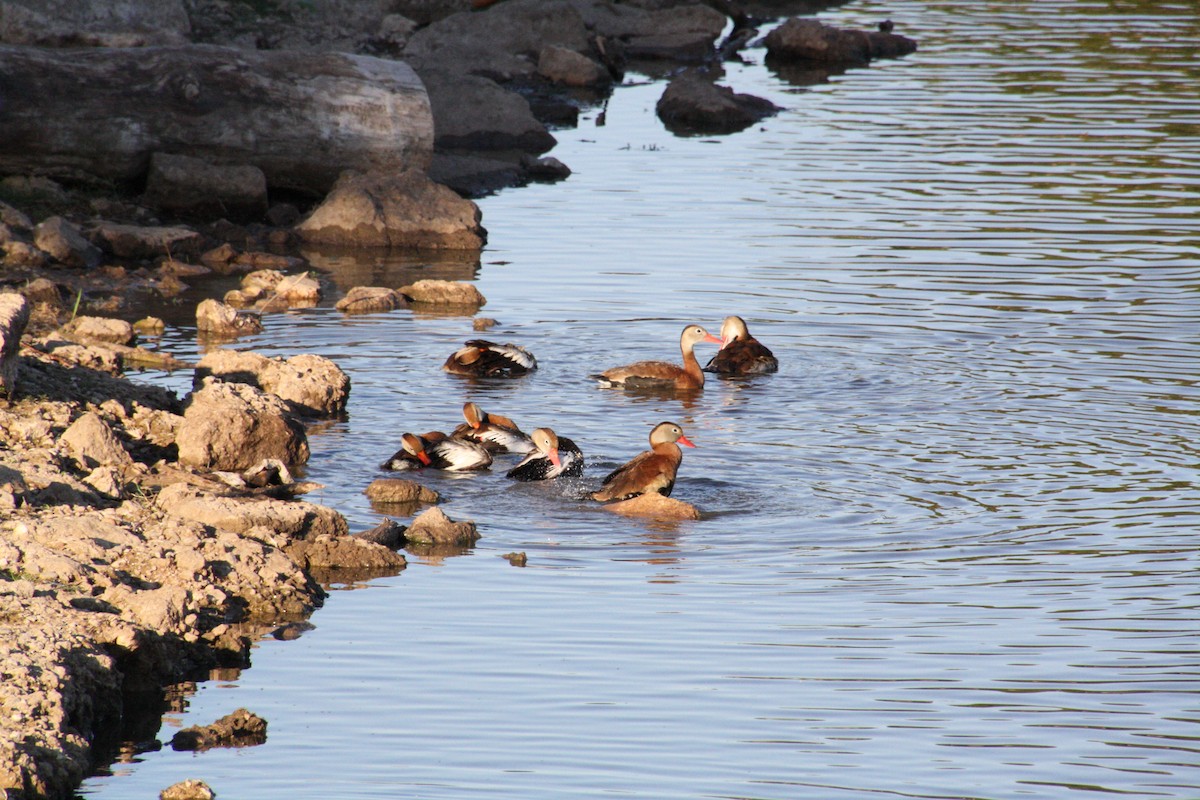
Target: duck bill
x=554, y=459
x=423, y=457
x=683, y=440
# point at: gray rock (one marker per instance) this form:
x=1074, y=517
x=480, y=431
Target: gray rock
x=64, y=243
x=493, y=42
x=694, y=105
x=809, y=40
x=198, y=189
x=137, y=241
x=59, y=23
x=570, y=68
x=431, y=291
x=383, y=210
x=471, y=112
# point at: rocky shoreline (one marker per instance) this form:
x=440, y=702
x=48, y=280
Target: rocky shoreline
x=148, y=539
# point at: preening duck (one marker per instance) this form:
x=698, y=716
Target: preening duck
x=664, y=373
x=438, y=451
x=496, y=433
x=483, y=359
x=651, y=471
x=741, y=353
x=553, y=457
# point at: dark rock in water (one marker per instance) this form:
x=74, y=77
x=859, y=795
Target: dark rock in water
x=810, y=40
x=387, y=533
x=239, y=729
x=693, y=105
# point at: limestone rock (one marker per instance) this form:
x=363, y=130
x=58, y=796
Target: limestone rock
x=370, y=300
x=434, y=527
x=694, y=105
x=85, y=330
x=92, y=443
x=196, y=188
x=654, y=506
x=239, y=729
x=64, y=243
x=386, y=210
x=231, y=426
x=805, y=39
x=311, y=384
x=138, y=241
x=571, y=68
x=471, y=112
x=191, y=789
x=430, y=291
x=222, y=320
x=399, y=490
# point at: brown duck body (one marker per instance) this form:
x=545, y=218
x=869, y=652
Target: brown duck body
x=483, y=359
x=741, y=353
x=664, y=373
x=651, y=471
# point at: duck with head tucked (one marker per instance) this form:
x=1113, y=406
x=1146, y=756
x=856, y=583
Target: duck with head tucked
x=653, y=470
x=741, y=353
x=496, y=433
x=438, y=451
x=554, y=456
x=479, y=358
x=663, y=374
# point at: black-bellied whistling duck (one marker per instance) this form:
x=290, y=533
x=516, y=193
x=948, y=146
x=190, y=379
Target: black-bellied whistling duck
x=496, y=433
x=651, y=471
x=553, y=457
x=663, y=373
x=741, y=353
x=483, y=359
x=437, y=450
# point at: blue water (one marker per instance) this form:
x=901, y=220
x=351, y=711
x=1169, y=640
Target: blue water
x=949, y=550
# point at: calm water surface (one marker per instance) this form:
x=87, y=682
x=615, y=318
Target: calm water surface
x=949, y=550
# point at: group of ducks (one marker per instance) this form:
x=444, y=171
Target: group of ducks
x=546, y=455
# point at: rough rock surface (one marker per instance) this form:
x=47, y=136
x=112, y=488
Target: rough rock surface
x=312, y=385
x=810, y=40
x=405, y=210
x=434, y=292
x=239, y=729
x=230, y=426
x=655, y=507
x=694, y=105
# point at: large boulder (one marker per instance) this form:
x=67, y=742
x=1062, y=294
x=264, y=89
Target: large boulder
x=232, y=426
x=394, y=210
x=312, y=385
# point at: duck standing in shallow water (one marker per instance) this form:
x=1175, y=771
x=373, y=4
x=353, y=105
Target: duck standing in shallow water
x=741, y=353
x=651, y=471
x=656, y=374
x=496, y=433
x=483, y=359
x=554, y=456
x=438, y=451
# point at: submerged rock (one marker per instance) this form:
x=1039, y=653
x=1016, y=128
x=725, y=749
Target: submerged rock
x=239, y=729
x=654, y=506
x=809, y=40
x=694, y=105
